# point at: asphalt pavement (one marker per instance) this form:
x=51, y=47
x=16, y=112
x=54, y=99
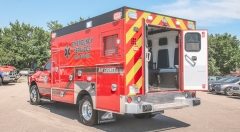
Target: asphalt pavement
x=217, y=113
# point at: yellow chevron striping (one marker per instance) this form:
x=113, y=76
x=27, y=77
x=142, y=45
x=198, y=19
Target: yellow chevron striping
x=182, y=25
x=139, y=82
x=131, y=52
x=137, y=24
x=157, y=20
x=133, y=71
x=170, y=22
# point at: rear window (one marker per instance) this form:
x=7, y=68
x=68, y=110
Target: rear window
x=192, y=42
x=110, y=47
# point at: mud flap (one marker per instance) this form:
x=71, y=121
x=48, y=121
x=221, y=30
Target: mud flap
x=196, y=102
x=104, y=117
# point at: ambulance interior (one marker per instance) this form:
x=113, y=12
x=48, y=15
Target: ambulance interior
x=162, y=43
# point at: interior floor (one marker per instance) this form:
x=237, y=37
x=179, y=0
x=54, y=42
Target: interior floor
x=163, y=64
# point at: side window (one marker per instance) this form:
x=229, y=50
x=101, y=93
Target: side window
x=192, y=42
x=110, y=45
x=163, y=41
x=47, y=66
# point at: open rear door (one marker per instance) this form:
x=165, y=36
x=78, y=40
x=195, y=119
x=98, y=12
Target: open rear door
x=194, y=60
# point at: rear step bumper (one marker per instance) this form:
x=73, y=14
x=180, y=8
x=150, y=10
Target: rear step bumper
x=147, y=107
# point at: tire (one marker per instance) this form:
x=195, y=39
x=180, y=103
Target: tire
x=5, y=83
x=34, y=95
x=228, y=92
x=87, y=115
x=144, y=115
x=1, y=81
x=210, y=89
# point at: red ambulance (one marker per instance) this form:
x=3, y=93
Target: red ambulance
x=126, y=61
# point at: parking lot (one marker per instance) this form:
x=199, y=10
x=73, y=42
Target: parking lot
x=216, y=113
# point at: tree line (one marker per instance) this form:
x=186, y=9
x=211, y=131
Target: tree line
x=26, y=46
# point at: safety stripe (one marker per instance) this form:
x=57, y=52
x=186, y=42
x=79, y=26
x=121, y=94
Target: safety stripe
x=139, y=82
x=182, y=24
x=137, y=24
x=157, y=20
x=133, y=64
x=133, y=71
x=170, y=22
x=131, y=53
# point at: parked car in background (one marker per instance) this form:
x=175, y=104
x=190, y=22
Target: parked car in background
x=214, y=78
x=7, y=74
x=212, y=83
x=226, y=86
x=235, y=90
x=25, y=72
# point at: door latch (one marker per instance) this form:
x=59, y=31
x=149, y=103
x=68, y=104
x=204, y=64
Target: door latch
x=148, y=56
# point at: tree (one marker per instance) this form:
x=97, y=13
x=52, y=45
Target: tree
x=76, y=21
x=224, y=53
x=54, y=25
x=23, y=44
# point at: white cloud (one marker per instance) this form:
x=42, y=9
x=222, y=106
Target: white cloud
x=205, y=12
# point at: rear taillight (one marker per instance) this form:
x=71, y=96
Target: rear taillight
x=129, y=99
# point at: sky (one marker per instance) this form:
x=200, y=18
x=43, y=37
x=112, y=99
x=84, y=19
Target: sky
x=218, y=16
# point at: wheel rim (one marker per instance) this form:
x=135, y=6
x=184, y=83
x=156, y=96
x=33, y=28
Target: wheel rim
x=87, y=110
x=33, y=94
x=228, y=91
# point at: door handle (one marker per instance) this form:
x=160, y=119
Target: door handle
x=148, y=56
x=190, y=60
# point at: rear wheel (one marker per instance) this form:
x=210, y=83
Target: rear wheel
x=228, y=92
x=87, y=115
x=210, y=89
x=34, y=95
x=144, y=115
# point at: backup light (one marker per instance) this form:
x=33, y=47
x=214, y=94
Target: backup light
x=139, y=99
